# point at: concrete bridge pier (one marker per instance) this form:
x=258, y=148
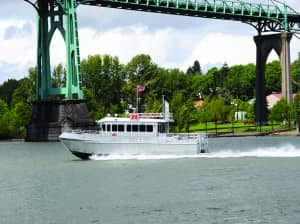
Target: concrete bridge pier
x=51, y=118
x=264, y=45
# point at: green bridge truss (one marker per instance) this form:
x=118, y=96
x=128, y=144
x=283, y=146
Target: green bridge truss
x=58, y=15
x=61, y=15
x=276, y=16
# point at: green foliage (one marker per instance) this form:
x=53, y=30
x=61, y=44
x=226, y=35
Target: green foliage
x=296, y=104
x=296, y=110
x=185, y=113
x=3, y=108
x=295, y=70
x=195, y=69
x=241, y=81
x=7, y=89
x=280, y=111
x=14, y=117
x=250, y=112
x=111, y=87
x=13, y=121
x=273, y=77
x=5, y=127
x=22, y=114
x=58, y=76
x=140, y=69
x=214, y=110
x=103, y=79
x=218, y=110
x=25, y=92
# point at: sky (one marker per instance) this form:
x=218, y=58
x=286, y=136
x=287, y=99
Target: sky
x=171, y=41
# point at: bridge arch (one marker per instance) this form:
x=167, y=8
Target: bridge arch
x=264, y=45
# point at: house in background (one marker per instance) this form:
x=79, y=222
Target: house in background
x=273, y=98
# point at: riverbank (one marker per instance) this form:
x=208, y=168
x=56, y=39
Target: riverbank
x=292, y=132
x=289, y=132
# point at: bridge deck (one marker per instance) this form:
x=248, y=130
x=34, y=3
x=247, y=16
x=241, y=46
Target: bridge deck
x=278, y=17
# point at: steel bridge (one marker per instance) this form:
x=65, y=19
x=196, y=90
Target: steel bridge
x=60, y=15
x=277, y=16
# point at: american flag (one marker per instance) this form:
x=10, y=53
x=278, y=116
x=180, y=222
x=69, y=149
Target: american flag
x=141, y=89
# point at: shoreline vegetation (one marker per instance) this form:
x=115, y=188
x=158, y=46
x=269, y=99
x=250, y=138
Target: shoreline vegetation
x=210, y=102
x=288, y=132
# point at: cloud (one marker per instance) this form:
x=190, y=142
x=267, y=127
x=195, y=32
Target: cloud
x=171, y=41
x=167, y=47
x=16, y=10
x=17, y=44
x=11, y=71
x=220, y=48
x=106, y=18
x=13, y=31
x=173, y=48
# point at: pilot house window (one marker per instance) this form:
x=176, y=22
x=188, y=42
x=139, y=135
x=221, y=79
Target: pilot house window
x=149, y=128
x=121, y=128
x=142, y=128
x=162, y=128
x=135, y=128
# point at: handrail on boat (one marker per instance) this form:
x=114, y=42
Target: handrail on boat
x=80, y=131
x=188, y=135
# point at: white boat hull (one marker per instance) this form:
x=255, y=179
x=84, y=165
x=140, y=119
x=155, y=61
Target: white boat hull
x=86, y=145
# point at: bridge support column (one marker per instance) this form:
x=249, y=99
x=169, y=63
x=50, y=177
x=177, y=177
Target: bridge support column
x=51, y=118
x=264, y=45
x=286, y=84
x=50, y=114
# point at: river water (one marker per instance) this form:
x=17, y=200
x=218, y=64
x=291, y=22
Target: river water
x=241, y=180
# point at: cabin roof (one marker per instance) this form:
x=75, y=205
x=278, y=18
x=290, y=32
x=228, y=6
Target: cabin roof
x=127, y=120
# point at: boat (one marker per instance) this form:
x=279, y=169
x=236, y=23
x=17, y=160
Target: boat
x=136, y=134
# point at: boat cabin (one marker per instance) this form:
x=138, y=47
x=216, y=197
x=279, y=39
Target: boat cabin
x=142, y=123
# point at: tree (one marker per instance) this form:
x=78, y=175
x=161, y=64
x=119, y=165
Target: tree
x=21, y=116
x=250, y=114
x=217, y=109
x=4, y=121
x=25, y=92
x=273, y=77
x=280, y=111
x=3, y=107
x=7, y=89
x=103, y=79
x=58, y=76
x=140, y=69
x=296, y=109
x=178, y=114
x=233, y=82
x=195, y=69
x=295, y=70
x=5, y=129
x=202, y=84
x=185, y=112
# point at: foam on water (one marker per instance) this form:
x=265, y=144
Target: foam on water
x=285, y=151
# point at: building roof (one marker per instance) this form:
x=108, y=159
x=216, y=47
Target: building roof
x=273, y=98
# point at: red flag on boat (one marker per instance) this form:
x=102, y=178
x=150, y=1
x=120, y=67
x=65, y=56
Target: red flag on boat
x=141, y=89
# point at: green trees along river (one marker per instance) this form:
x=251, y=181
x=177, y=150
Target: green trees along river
x=195, y=97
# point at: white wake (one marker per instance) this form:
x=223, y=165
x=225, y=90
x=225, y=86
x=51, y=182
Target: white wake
x=285, y=151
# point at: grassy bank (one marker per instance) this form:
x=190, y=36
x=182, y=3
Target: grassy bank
x=240, y=127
